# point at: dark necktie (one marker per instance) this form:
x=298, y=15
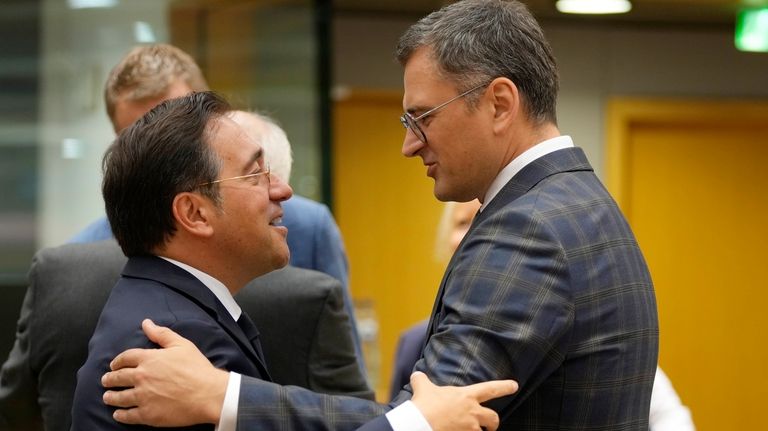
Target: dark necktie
x=250, y=331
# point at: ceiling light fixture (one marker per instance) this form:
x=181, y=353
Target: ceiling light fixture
x=752, y=30
x=593, y=6
x=143, y=33
x=91, y=4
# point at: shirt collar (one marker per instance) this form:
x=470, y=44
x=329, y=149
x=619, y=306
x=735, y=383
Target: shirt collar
x=215, y=286
x=518, y=163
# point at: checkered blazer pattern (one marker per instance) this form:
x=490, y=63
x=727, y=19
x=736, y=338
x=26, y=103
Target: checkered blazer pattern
x=549, y=288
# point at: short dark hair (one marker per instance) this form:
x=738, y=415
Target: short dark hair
x=164, y=153
x=475, y=41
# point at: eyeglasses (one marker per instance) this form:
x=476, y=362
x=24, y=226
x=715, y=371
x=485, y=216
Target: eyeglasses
x=255, y=177
x=411, y=122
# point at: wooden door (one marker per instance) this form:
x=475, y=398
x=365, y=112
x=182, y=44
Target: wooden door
x=388, y=216
x=692, y=178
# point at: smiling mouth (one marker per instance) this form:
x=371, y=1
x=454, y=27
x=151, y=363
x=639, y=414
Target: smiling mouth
x=277, y=221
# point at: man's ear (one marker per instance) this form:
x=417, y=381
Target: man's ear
x=506, y=103
x=193, y=213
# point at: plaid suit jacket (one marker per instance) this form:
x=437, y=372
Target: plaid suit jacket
x=548, y=288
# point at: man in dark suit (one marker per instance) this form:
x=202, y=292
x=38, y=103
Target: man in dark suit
x=312, y=349
x=193, y=239
x=149, y=74
x=549, y=285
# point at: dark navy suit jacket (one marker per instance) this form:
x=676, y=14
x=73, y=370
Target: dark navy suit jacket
x=313, y=239
x=151, y=287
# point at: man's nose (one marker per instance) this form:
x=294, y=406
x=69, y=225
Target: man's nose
x=279, y=190
x=411, y=144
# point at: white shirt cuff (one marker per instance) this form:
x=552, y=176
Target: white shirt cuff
x=228, y=419
x=407, y=417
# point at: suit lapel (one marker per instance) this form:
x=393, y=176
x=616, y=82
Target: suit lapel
x=560, y=161
x=565, y=160
x=181, y=281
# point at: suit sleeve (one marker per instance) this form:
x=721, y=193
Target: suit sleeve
x=379, y=424
x=18, y=383
x=266, y=405
x=333, y=366
x=506, y=311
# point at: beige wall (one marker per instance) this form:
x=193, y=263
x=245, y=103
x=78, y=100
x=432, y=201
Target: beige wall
x=596, y=62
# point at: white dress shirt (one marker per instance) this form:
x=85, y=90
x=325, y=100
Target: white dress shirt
x=227, y=422
x=518, y=163
x=667, y=411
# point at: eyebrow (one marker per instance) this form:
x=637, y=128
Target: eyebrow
x=259, y=154
x=420, y=109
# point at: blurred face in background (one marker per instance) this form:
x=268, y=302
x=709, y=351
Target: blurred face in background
x=127, y=111
x=454, y=224
x=461, y=218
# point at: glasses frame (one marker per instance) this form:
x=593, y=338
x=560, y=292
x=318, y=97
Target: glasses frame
x=265, y=171
x=410, y=122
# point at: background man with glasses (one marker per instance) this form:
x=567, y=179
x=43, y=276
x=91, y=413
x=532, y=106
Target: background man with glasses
x=548, y=286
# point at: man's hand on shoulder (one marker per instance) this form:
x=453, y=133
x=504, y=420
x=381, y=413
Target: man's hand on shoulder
x=172, y=386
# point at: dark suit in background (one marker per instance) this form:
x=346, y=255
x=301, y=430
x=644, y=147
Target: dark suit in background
x=305, y=331
x=407, y=353
x=69, y=286
x=549, y=288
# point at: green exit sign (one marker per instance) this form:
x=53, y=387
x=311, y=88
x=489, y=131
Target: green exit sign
x=752, y=30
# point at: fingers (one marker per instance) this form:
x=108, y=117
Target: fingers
x=161, y=335
x=480, y=391
x=488, y=419
x=122, y=378
x=129, y=416
x=420, y=382
x=128, y=359
x=158, y=334
x=493, y=389
x=124, y=398
x=134, y=416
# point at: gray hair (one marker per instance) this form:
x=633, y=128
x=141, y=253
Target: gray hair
x=277, y=148
x=271, y=137
x=476, y=41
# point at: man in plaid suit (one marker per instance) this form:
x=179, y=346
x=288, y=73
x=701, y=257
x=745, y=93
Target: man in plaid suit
x=548, y=287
